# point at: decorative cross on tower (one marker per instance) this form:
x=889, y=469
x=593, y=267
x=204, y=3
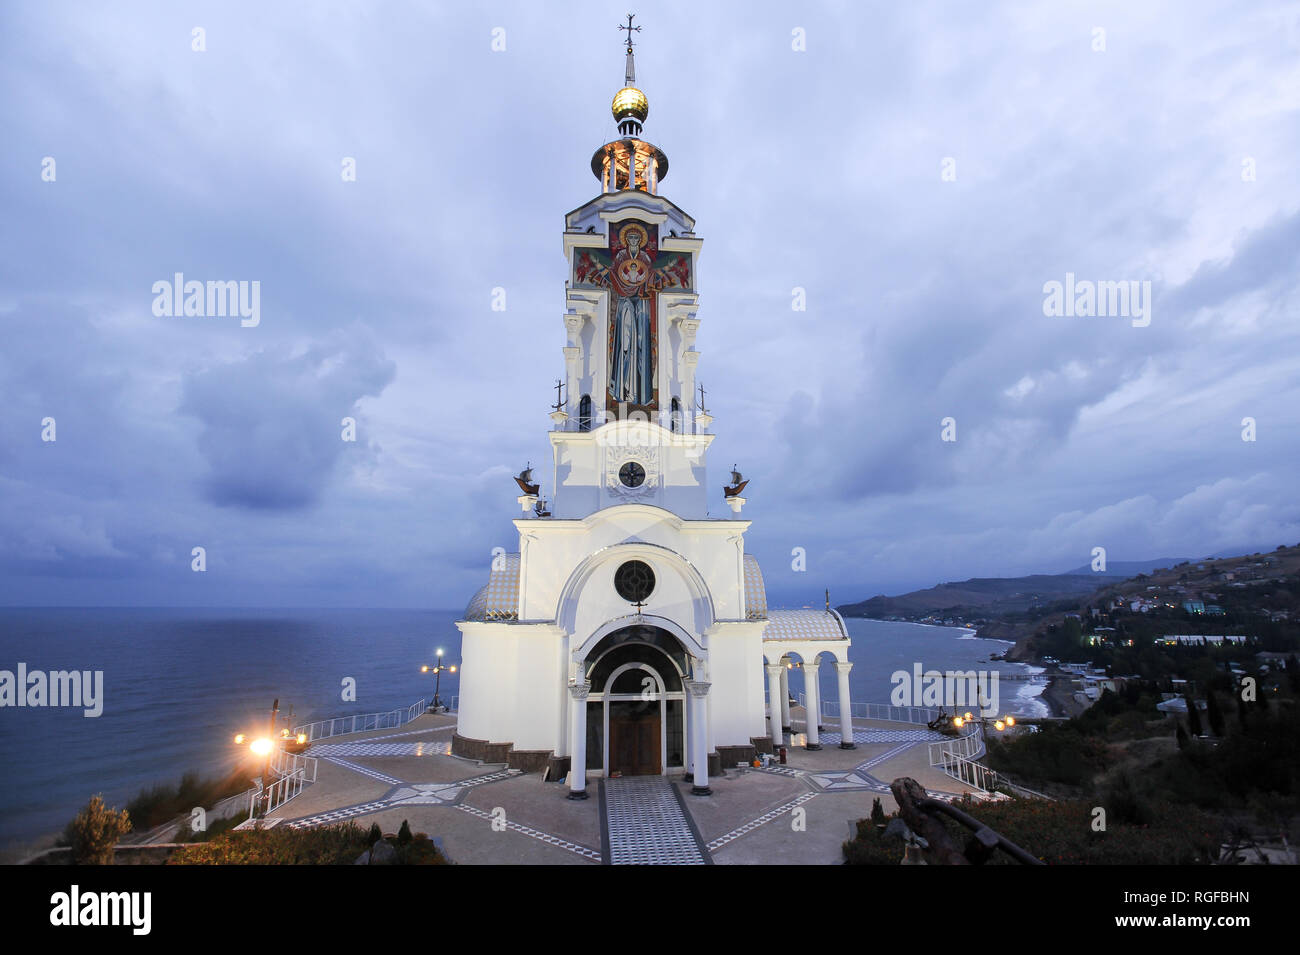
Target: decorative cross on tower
x=703, y=410
x=630, y=30
x=559, y=401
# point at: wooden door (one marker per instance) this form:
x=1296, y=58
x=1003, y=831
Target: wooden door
x=634, y=742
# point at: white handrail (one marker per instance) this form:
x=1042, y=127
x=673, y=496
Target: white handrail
x=286, y=764
x=345, y=725
x=276, y=794
x=830, y=710
x=958, y=757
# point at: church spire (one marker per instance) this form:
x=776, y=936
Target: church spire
x=630, y=72
x=630, y=105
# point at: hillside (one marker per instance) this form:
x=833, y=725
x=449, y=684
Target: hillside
x=979, y=596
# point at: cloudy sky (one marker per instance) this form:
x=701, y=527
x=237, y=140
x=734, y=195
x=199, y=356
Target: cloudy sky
x=921, y=170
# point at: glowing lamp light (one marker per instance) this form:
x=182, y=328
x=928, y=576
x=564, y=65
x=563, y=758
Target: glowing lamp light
x=999, y=725
x=424, y=669
x=240, y=739
x=1011, y=721
x=957, y=721
x=452, y=668
x=261, y=747
x=302, y=738
x=968, y=717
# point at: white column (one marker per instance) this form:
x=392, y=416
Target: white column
x=699, y=691
x=774, y=673
x=846, y=712
x=785, y=693
x=578, y=740
x=812, y=701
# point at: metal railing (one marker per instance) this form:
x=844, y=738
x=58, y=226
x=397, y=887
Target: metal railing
x=957, y=757
x=830, y=710
x=275, y=795
x=344, y=725
x=286, y=764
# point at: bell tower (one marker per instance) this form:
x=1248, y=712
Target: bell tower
x=630, y=427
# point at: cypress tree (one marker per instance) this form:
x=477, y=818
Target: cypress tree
x=1193, y=716
x=1181, y=736
x=1214, y=714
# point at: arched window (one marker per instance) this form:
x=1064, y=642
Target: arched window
x=584, y=413
x=675, y=415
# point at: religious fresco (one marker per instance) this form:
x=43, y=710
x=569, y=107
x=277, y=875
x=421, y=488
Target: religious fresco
x=634, y=270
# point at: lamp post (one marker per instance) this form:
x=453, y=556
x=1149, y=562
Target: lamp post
x=436, y=670
x=262, y=747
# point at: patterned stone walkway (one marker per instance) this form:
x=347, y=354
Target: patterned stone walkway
x=860, y=777
x=645, y=823
x=762, y=820
x=451, y=795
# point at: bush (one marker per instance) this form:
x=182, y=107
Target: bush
x=327, y=845
x=95, y=831
x=162, y=803
x=1061, y=833
x=1058, y=753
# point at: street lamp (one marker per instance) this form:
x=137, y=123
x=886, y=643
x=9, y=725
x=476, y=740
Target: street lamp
x=1003, y=723
x=437, y=683
x=262, y=747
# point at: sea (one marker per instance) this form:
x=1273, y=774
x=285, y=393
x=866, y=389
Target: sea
x=178, y=684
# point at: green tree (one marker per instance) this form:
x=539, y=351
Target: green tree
x=877, y=812
x=1193, y=716
x=375, y=833
x=1213, y=713
x=404, y=836
x=95, y=831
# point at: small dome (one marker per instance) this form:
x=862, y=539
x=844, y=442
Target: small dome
x=630, y=101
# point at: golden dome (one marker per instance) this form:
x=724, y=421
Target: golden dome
x=630, y=101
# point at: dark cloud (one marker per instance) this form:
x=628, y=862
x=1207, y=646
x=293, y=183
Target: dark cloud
x=818, y=170
x=273, y=424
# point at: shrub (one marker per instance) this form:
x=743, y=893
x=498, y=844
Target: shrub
x=1061, y=833
x=95, y=831
x=326, y=845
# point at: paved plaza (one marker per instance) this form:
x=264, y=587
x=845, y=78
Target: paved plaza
x=799, y=813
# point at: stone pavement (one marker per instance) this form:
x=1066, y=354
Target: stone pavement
x=799, y=813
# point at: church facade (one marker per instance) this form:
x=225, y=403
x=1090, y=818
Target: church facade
x=630, y=632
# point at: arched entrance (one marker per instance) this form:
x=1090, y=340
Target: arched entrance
x=636, y=709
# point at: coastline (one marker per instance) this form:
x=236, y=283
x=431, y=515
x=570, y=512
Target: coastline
x=1059, y=696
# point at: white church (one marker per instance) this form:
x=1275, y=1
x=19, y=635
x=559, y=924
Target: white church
x=630, y=633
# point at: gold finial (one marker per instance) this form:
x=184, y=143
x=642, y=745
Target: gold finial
x=630, y=101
